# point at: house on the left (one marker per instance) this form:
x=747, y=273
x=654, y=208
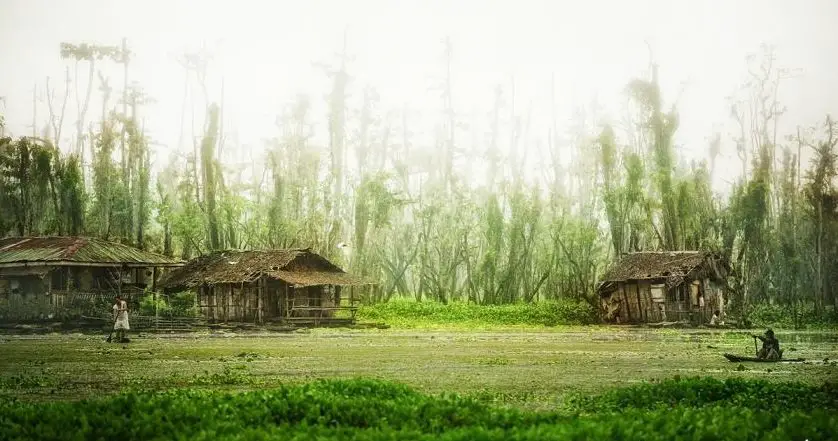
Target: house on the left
x=63, y=277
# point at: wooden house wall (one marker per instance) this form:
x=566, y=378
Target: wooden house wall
x=240, y=302
x=275, y=295
x=24, y=298
x=62, y=292
x=681, y=303
x=229, y=302
x=308, y=297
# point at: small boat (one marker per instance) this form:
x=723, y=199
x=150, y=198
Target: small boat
x=737, y=358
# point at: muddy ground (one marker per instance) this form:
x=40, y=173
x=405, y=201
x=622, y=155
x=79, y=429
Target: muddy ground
x=533, y=368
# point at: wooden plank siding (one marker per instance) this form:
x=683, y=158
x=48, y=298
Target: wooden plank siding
x=269, y=300
x=680, y=304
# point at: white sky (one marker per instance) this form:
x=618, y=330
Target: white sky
x=266, y=50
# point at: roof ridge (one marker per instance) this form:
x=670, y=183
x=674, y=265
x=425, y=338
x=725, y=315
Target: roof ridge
x=264, y=250
x=16, y=243
x=670, y=252
x=78, y=244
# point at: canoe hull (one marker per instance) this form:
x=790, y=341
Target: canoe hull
x=738, y=358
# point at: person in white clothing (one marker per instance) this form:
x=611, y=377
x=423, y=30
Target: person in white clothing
x=120, y=316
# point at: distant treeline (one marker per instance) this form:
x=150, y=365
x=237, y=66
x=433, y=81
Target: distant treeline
x=415, y=225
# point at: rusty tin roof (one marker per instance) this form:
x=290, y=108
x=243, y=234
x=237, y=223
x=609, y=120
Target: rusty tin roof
x=75, y=251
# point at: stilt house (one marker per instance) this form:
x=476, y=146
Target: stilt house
x=60, y=277
x=290, y=285
x=654, y=287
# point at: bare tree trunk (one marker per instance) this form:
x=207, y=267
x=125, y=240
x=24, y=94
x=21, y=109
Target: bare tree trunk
x=210, y=176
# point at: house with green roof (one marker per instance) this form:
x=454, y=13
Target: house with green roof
x=43, y=277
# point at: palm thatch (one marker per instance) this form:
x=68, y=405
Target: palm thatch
x=298, y=267
x=672, y=267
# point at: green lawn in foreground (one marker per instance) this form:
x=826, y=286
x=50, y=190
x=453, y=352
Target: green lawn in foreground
x=533, y=368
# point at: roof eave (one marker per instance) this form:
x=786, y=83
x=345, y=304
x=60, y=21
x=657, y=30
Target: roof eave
x=91, y=264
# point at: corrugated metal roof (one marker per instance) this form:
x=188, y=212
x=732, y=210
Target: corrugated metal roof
x=68, y=250
x=294, y=266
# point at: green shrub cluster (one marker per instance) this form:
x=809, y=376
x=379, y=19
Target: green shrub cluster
x=690, y=409
x=406, y=312
x=798, y=316
x=181, y=304
x=752, y=394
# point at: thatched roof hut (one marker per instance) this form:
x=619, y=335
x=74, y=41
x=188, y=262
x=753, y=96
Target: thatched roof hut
x=46, y=276
x=671, y=267
x=296, y=267
x=645, y=285
x=287, y=285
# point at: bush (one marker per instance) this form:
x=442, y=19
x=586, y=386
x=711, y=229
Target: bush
x=151, y=306
x=175, y=305
x=184, y=304
x=785, y=316
x=698, y=392
x=374, y=410
x=408, y=312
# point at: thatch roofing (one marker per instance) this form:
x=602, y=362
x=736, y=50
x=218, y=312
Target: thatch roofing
x=298, y=267
x=670, y=266
x=16, y=252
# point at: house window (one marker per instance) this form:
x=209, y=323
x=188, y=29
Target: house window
x=58, y=279
x=694, y=294
x=657, y=293
x=677, y=294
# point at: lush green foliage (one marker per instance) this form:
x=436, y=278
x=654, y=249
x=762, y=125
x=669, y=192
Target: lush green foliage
x=386, y=184
x=181, y=304
x=373, y=410
x=752, y=394
x=405, y=313
x=794, y=316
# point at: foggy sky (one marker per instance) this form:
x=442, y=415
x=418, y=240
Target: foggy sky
x=265, y=52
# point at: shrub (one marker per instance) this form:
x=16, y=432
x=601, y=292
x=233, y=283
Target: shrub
x=373, y=410
x=789, y=317
x=408, y=312
x=181, y=304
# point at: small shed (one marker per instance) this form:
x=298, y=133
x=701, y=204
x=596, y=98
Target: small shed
x=288, y=285
x=654, y=287
x=69, y=275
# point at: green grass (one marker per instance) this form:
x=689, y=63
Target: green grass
x=804, y=317
x=565, y=383
x=362, y=409
x=528, y=369
x=406, y=314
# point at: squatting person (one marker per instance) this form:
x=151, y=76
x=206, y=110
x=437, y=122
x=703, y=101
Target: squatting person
x=770, y=346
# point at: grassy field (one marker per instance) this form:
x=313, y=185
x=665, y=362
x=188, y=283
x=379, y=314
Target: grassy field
x=534, y=368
